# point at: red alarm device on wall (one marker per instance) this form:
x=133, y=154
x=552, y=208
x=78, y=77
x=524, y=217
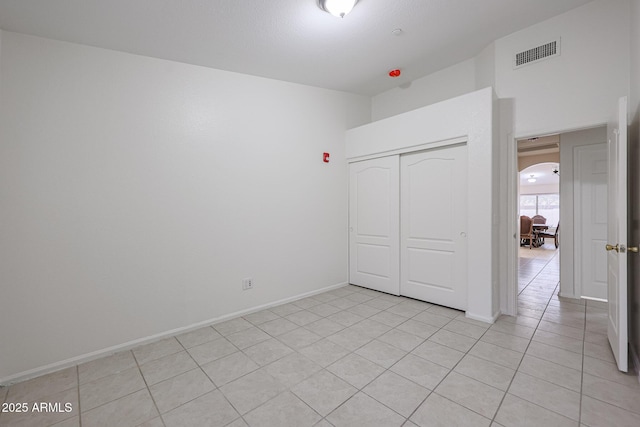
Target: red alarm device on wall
x=325, y=157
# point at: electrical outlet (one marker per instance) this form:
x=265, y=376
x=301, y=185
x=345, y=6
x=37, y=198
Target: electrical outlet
x=247, y=283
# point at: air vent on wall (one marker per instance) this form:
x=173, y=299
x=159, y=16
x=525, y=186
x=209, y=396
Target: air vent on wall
x=538, y=53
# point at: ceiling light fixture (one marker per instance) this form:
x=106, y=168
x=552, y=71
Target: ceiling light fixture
x=532, y=179
x=337, y=8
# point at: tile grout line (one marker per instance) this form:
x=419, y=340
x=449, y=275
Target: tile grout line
x=584, y=336
x=139, y=369
x=538, y=273
x=442, y=327
x=361, y=390
x=224, y=396
x=385, y=369
x=530, y=340
x=205, y=373
x=459, y=373
x=512, y=378
x=297, y=350
x=583, y=355
x=445, y=377
x=111, y=401
x=79, y=404
x=606, y=379
x=147, y=386
x=409, y=352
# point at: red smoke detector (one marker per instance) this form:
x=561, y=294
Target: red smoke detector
x=394, y=73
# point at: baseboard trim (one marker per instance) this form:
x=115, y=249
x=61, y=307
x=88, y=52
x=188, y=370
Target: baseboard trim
x=486, y=319
x=564, y=295
x=87, y=357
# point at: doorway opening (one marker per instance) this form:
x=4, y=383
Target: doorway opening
x=613, y=212
x=568, y=170
x=538, y=207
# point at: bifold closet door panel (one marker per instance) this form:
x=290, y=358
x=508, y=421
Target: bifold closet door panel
x=374, y=228
x=433, y=244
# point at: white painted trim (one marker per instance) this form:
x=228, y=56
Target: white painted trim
x=31, y=373
x=565, y=295
x=411, y=149
x=485, y=319
x=595, y=299
x=577, y=154
x=513, y=228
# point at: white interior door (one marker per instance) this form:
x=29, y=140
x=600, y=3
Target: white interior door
x=433, y=205
x=374, y=254
x=617, y=236
x=591, y=166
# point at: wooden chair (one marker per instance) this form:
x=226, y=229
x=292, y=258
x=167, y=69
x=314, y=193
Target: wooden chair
x=555, y=235
x=539, y=219
x=526, y=231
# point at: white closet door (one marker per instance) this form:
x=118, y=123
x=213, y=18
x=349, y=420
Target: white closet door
x=374, y=260
x=433, y=231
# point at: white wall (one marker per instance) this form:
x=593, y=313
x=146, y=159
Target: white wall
x=439, y=86
x=577, y=89
x=526, y=161
x=568, y=142
x=469, y=118
x=539, y=189
x=485, y=67
x=136, y=193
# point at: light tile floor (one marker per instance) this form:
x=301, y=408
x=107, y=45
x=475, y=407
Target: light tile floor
x=356, y=357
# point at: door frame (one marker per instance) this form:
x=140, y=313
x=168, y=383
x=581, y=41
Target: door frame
x=513, y=223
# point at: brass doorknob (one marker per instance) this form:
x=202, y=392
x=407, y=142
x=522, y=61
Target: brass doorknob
x=613, y=248
x=633, y=249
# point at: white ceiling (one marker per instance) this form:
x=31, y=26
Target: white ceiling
x=542, y=172
x=290, y=40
